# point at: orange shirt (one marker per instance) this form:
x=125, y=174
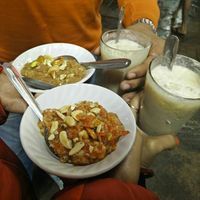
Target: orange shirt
x=28, y=23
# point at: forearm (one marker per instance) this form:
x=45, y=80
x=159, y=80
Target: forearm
x=157, y=42
x=16, y=105
x=129, y=169
x=143, y=28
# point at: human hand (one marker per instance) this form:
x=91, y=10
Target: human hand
x=10, y=98
x=135, y=78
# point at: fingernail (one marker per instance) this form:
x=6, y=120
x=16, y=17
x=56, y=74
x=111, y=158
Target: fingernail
x=132, y=75
x=125, y=86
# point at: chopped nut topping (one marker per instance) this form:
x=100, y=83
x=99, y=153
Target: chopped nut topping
x=54, y=126
x=95, y=110
x=51, y=137
x=92, y=133
x=77, y=147
x=91, y=148
x=70, y=121
x=75, y=113
x=67, y=143
x=62, y=76
x=64, y=109
x=60, y=115
x=83, y=134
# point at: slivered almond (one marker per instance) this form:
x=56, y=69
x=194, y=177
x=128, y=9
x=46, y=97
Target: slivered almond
x=54, y=126
x=70, y=121
x=51, y=137
x=99, y=127
x=70, y=75
x=55, y=133
x=60, y=115
x=53, y=74
x=81, y=153
x=62, y=76
x=91, y=148
x=64, y=109
x=67, y=143
x=75, y=113
x=90, y=113
x=53, y=69
x=95, y=110
x=92, y=105
x=75, y=140
x=77, y=147
x=92, y=133
x=63, y=65
x=72, y=107
x=83, y=134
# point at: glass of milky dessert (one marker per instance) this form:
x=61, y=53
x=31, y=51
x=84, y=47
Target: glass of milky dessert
x=131, y=45
x=171, y=97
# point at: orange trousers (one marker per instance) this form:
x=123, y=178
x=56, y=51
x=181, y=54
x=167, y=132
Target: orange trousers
x=15, y=184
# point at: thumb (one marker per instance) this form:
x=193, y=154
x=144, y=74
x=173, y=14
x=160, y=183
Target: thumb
x=140, y=70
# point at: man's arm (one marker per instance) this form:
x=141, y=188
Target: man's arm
x=135, y=10
x=136, y=76
x=10, y=98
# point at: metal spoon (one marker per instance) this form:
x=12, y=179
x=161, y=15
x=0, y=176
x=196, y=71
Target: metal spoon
x=103, y=64
x=37, y=83
x=121, y=17
x=117, y=63
x=170, y=51
x=23, y=90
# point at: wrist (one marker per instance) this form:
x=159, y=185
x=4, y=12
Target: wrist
x=143, y=28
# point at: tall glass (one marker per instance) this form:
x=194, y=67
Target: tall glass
x=162, y=111
x=137, y=54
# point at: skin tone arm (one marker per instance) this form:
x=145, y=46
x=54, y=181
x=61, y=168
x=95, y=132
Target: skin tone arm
x=135, y=78
x=144, y=150
x=10, y=98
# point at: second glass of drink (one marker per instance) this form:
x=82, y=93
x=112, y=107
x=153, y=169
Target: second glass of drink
x=131, y=45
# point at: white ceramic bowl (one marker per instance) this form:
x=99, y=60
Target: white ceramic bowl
x=54, y=50
x=34, y=143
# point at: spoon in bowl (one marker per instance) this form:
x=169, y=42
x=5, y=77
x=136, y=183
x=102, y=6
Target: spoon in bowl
x=23, y=90
x=102, y=64
x=117, y=63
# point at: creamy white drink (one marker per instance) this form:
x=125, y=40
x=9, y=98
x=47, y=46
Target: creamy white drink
x=124, y=44
x=179, y=81
x=171, y=97
x=126, y=47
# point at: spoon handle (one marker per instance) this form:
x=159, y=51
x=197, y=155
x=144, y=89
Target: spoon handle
x=109, y=64
x=170, y=50
x=121, y=17
x=21, y=87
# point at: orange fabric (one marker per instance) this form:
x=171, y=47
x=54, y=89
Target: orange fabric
x=15, y=184
x=10, y=186
x=137, y=9
x=25, y=24
x=71, y=194
x=14, y=181
x=107, y=189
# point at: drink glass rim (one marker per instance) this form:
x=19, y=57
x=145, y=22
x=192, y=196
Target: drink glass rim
x=149, y=43
x=174, y=95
